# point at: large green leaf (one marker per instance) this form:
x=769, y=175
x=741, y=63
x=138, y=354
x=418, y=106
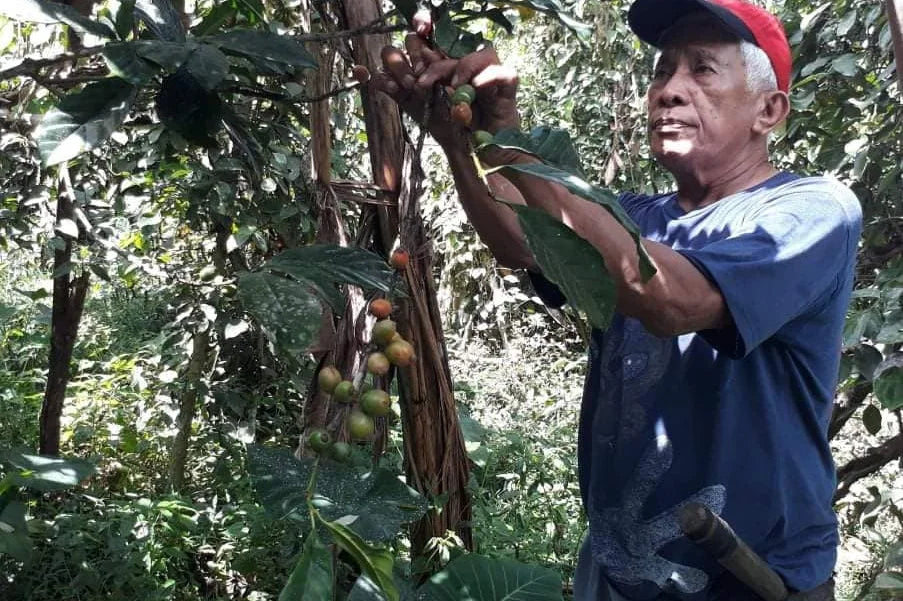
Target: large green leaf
x=44, y=11
x=125, y=62
x=553, y=146
x=288, y=313
x=478, y=578
x=570, y=262
x=374, y=504
x=375, y=562
x=324, y=266
x=889, y=387
x=365, y=589
x=208, y=65
x=169, y=55
x=555, y=9
x=14, y=539
x=44, y=473
x=265, y=46
x=312, y=578
x=84, y=120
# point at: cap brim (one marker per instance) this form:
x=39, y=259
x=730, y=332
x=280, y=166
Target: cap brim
x=649, y=19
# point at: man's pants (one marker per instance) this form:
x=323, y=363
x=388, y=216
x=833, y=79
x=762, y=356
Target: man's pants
x=591, y=585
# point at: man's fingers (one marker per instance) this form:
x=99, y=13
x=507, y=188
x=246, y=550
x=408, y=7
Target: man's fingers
x=395, y=63
x=472, y=64
x=436, y=72
x=501, y=78
x=383, y=82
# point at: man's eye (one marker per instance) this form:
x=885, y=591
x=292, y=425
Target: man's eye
x=704, y=69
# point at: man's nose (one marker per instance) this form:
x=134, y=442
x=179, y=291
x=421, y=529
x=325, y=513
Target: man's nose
x=673, y=91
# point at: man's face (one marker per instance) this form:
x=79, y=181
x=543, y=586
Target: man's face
x=700, y=110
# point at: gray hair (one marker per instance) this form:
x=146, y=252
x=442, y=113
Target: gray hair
x=760, y=76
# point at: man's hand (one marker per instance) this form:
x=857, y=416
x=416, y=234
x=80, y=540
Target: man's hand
x=422, y=77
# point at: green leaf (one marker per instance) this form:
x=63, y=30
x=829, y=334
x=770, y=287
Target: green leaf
x=14, y=539
x=555, y=9
x=888, y=388
x=365, y=589
x=375, y=562
x=287, y=312
x=553, y=146
x=44, y=11
x=312, y=578
x=208, y=65
x=478, y=578
x=125, y=18
x=125, y=62
x=871, y=419
x=889, y=581
x=84, y=120
x=374, y=504
x=861, y=325
x=324, y=266
x=265, y=46
x=169, y=55
x=214, y=19
x=867, y=358
x=891, y=331
x=577, y=185
x=570, y=262
x=41, y=473
x=845, y=65
x=454, y=40
x=161, y=18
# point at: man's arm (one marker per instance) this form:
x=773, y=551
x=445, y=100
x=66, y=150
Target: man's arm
x=677, y=300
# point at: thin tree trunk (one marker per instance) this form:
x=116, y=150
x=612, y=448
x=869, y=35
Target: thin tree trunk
x=187, y=407
x=895, y=21
x=68, y=303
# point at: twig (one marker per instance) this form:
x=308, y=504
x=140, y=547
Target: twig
x=374, y=27
x=871, y=462
x=30, y=66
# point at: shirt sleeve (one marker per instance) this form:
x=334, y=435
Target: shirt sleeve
x=781, y=261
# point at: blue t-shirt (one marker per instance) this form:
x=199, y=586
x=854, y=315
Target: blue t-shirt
x=736, y=418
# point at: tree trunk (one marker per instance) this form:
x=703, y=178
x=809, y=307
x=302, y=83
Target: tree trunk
x=187, y=406
x=68, y=303
x=895, y=21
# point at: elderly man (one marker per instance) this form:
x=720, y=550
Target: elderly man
x=715, y=381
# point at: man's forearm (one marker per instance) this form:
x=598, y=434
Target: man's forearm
x=496, y=224
x=678, y=299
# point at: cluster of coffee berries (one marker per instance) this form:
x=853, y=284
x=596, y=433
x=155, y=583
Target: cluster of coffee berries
x=388, y=349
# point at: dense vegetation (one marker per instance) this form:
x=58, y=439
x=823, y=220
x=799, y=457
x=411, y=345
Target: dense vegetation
x=197, y=205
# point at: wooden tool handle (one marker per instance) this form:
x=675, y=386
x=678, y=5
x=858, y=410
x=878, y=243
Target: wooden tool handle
x=716, y=537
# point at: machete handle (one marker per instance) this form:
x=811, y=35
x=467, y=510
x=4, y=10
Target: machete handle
x=717, y=538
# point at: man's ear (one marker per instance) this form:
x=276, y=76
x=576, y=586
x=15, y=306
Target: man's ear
x=774, y=108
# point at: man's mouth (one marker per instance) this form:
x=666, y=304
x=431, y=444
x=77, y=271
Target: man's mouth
x=666, y=124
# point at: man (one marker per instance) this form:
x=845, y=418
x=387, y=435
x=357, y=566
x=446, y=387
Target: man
x=715, y=381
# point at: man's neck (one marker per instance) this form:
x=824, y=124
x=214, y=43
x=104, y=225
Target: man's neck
x=695, y=191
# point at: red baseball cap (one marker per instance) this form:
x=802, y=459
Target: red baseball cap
x=650, y=18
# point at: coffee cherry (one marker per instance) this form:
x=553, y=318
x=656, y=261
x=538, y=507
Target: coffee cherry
x=462, y=114
x=340, y=451
x=344, y=392
x=380, y=308
x=400, y=259
x=464, y=93
x=400, y=353
x=378, y=364
x=376, y=403
x=360, y=73
x=360, y=425
x=482, y=137
x=319, y=440
x=328, y=378
x=383, y=332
